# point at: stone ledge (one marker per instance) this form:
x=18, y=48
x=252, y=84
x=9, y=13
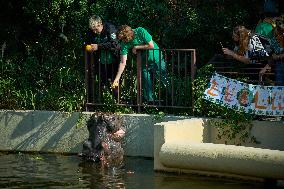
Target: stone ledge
x=61, y=132
x=223, y=159
x=177, y=146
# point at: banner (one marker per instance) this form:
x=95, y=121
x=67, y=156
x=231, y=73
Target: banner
x=254, y=99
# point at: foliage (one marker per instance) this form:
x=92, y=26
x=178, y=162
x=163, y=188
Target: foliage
x=8, y=93
x=42, y=57
x=232, y=124
x=234, y=127
x=45, y=57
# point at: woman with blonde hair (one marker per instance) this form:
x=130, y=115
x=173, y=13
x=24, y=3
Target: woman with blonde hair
x=249, y=46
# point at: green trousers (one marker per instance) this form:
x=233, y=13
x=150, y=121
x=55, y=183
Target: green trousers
x=153, y=65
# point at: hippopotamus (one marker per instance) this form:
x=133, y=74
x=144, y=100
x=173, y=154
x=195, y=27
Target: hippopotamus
x=104, y=142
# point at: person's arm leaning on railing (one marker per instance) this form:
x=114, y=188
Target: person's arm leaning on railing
x=150, y=45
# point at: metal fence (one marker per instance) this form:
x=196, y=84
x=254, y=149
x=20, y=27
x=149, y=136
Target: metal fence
x=262, y=72
x=152, y=78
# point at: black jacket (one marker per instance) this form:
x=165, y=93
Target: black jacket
x=106, y=39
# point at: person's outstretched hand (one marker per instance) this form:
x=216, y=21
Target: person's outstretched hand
x=228, y=51
x=115, y=84
x=92, y=47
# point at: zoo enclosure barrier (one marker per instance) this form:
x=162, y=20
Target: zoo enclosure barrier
x=143, y=83
x=262, y=72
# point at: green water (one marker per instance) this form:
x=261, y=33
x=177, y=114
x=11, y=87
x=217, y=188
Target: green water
x=18, y=170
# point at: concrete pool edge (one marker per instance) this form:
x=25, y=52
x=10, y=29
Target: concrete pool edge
x=187, y=146
x=60, y=132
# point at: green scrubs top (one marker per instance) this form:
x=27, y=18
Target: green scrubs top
x=142, y=37
x=265, y=30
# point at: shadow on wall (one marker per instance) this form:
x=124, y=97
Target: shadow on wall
x=34, y=130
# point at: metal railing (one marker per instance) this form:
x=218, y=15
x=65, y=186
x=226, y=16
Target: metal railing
x=161, y=82
x=262, y=72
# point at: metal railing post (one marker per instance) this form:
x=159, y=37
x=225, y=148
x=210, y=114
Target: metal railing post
x=262, y=72
x=86, y=80
x=139, y=89
x=193, y=68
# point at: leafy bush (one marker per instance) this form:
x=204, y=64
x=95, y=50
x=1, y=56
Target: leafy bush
x=42, y=59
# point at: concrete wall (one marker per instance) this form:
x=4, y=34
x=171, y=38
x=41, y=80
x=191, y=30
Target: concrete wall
x=269, y=134
x=40, y=131
x=50, y=131
x=191, y=146
x=223, y=159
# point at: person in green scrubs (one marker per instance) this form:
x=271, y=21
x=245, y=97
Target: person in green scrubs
x=266, y=30
x=152, y=60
